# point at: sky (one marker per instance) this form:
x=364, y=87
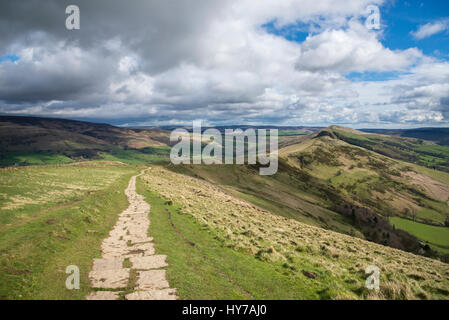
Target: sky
x=228, y=62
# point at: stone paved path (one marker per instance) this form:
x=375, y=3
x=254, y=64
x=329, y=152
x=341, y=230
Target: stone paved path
x=129, y=250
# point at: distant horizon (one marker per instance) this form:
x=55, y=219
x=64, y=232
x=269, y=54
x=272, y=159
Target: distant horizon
x=187, y=124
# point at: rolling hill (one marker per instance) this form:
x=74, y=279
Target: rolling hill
x=416, y=150
x=437, y=135
x=368, y=179
x=32, y=140
x=341, y=199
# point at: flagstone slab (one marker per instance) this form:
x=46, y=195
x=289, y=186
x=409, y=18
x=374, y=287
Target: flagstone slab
x=152, y=280
x=109, y=279
x=103, y=295
x=164, y=294
x=149, y=262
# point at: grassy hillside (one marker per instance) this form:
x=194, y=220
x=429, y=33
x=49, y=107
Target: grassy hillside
x=438, y=135
x=31, y=141
x=418, y=151
x=326, y=182
x=290, y=193
x=367, y=179
x=244, y=251
x=385, y=185
x=297, y=234
x=53, y=217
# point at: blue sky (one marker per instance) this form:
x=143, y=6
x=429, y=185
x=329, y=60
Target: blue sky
x=401, y=17
x=11, y=58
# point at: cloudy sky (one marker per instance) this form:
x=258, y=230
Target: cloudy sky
x=283, y=62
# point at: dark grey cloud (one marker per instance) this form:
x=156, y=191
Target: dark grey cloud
x=167, y=33
x=57, y=76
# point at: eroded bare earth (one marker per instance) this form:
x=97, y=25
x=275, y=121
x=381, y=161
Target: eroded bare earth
x=434, y=188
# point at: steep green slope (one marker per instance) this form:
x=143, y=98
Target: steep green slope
x=244, y=251
x=290, y=192
x=370, y=180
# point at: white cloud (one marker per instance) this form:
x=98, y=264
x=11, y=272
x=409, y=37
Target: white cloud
x=356, y=49
x=430, y=29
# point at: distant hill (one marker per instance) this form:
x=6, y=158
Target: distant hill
x=29, y=133
x=437, y=135
x=33, y=140
x=426, y=153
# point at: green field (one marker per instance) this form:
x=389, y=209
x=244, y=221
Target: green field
x=286, y=133
x=53, y=217
x=32, y=158
x=438, y=236
x=129, y=156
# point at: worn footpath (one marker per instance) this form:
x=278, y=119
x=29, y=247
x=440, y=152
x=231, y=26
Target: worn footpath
x=129, y=251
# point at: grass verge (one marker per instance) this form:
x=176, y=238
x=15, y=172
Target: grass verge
x=39, y=242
